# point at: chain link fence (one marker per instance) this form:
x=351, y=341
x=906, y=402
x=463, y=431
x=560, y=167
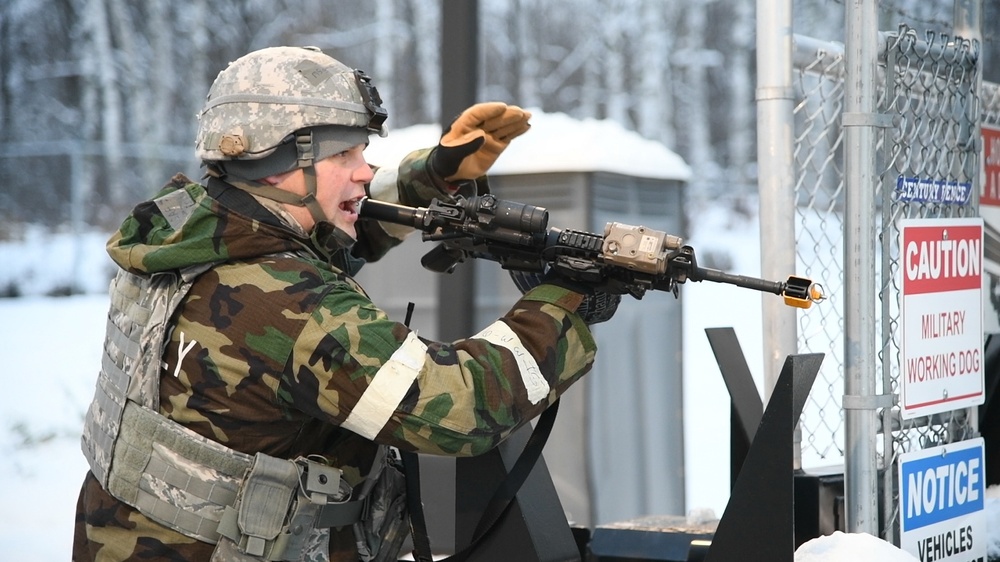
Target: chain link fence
x=819, y=190
x=931, y=91
x=929, y=110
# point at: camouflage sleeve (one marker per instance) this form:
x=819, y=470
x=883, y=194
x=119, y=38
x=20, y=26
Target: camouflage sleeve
x=354, y=367
x=412, y=183
x=418, y=184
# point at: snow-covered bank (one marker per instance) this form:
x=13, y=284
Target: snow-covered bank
x=50, y=353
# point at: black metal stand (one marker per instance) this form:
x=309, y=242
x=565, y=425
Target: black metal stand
x=746, y=406
x=758, y=524
x=534, y=528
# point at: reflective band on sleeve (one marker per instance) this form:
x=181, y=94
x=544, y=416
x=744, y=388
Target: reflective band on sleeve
x=387, y=388
x=383, y=185
x=499, y=333
x=383, y=188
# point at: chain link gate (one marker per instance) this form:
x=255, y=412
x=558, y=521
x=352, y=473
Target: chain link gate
x=928, y=97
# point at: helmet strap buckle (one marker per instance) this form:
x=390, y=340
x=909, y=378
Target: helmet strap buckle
x=304, y=146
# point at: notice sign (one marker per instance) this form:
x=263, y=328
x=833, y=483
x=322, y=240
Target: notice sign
x=941, y=496
x=942, y=315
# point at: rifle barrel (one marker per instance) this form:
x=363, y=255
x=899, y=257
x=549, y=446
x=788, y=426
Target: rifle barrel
x=708, y=274
x=391, y=212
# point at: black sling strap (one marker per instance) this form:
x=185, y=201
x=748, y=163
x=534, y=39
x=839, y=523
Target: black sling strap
x=415, y=507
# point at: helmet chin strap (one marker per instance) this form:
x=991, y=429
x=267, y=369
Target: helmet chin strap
x=306, y=161
x=307, y=157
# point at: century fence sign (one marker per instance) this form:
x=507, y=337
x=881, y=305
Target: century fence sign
x=941, y=262
x=923, y=190
x=942, y=506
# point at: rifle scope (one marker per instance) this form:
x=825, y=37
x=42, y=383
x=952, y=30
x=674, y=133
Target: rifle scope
x=487, y=213
x=495, y=213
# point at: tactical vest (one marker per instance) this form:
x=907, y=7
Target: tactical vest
x=252, y=507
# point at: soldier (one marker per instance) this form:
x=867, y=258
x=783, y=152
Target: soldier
x=250, y=389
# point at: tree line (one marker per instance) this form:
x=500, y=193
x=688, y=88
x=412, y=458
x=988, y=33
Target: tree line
x=98, y=98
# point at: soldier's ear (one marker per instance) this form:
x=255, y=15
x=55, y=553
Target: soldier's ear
x=276, y=178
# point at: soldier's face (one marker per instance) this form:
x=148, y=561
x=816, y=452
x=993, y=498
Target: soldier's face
x=340, y=184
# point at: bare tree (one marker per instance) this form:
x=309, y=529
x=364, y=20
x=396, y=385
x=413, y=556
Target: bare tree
x=740, y=137
x=592, y=84
x=386, y=53
x=654, y=106
x=426, y=39
x=615, y=33
x=116, y=75
x=526, y=19
x=103, y=77
x=693, y=95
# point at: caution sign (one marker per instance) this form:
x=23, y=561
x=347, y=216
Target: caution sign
x=941, y=262
x=941, y=511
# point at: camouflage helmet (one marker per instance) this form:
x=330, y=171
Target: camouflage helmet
x=262, y=98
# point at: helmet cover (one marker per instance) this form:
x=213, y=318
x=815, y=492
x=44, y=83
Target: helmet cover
x=261, y=99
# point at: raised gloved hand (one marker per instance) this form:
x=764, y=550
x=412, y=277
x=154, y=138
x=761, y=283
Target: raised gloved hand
x=476, y=138
x=597, y=306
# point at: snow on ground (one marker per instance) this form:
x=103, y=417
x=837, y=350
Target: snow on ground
x=41, y=263
x=50, y=353
x=858, y=547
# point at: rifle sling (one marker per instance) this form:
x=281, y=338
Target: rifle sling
x=415, y=507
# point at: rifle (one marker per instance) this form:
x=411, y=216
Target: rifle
x=625, y=260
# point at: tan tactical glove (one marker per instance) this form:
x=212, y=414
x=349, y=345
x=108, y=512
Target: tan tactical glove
x=476, y=138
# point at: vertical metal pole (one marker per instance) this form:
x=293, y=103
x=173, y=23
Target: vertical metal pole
x=969, y=25
x=888, y=296
x=459, y=79
x=859, y=266
x=969, y=19
x=77, y=202
x=776, y=183
x=456, y=293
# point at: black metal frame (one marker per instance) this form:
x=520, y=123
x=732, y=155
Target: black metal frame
x=533, y=529
x=761, y=510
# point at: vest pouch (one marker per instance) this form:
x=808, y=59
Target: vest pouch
x=285, y=511
x=381, y=532
x=249, y=528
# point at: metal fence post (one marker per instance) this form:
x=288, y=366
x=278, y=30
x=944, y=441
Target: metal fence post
x=858, y=120
x=776, y=180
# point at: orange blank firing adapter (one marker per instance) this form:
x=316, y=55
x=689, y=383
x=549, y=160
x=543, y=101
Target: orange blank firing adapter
x=801, y=292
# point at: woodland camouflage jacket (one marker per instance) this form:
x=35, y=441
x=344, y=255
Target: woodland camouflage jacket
x=275, y=348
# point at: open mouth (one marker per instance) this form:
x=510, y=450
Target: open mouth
x=351, y=206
